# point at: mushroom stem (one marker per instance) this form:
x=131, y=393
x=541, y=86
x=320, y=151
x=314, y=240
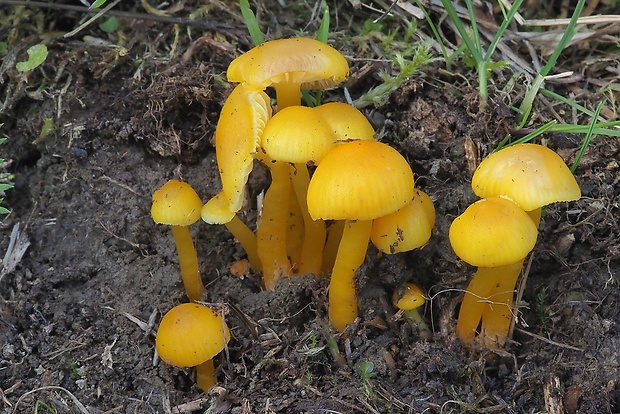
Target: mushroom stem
x=287, y=95
x=334, y=235
x=271, y=232
x=351, y=254
x=499, y=312
x=205, y=375
x=488, y=299
x=314, y=230
x=188, y=262
x=416, y=320
x=247, y=239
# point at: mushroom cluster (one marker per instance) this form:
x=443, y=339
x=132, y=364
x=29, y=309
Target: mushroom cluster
x=313, y=220
x=497, y=232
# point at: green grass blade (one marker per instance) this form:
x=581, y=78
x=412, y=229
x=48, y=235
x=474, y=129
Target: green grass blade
x=587, y=139
x=249, y=18
x=431, y=25
x=568, y=102
x=502, y=28
x=526, y=106
x=476, y=53
x=323, y=31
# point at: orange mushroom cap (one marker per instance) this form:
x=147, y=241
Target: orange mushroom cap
x=406, y=229
x=360, y=180
x=297, y=134
x=411, y=298
x=493, y=232
x=303, y=61
x=190, y=334
x=532, y=175
x=346, y=121
x=176, y=204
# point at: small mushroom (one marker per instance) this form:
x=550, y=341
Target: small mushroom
x=406, y=229
x=357, y=181
x=409, y=300
x=289, y=65
x=191, y=335
x=494, y=234
x=177, y=205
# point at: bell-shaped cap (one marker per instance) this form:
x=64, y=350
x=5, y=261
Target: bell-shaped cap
x=493, y=232
x=360, y=180
x=346, y=121
x=302, y=61
x=176, y=204
x=190, y=334
x=410, y=298
x=406, y=229
x=531, y=175
x=297, y=134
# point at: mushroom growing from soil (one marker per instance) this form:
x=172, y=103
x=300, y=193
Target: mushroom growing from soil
x=358, y=181
x=177, y=205
x=288, y=65
x=532, y=176
x=191, y=335
x=494, y=234
x=409, y=299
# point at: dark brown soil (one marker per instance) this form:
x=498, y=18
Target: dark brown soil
x=80, y=308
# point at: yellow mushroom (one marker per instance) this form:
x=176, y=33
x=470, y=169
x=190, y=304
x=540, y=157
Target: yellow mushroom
x=177, y=205
x=357, y=181
x=237, y=140
x=494, y=234
x=288, y=65
x=191, y=335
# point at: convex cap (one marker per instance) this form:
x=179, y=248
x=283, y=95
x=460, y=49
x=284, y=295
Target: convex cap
x=532, y=175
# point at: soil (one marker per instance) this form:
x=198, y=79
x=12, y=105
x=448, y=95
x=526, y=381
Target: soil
x=80, y=307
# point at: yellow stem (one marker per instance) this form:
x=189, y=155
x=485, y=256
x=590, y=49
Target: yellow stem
x=247, y=239
x=351, y=254
x=294, y=232
x=287, y=95
x=205, y=376
x=498, y=315
x=271, y=233
x=188, y=262
x=314, y=231
x=334, y=235
x=474, y=304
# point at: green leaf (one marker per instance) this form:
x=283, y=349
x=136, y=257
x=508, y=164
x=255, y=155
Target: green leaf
x=36, y=56
x=4, y=210
x=251, y=23
x=97, y=3
x=4, y=187
x=3, y=47
x=110, y=25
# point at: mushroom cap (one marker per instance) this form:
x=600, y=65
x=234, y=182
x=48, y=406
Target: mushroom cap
x=303, y=61
x=297, y=134
x=412, y=297
x=530, y=174
x=176, y=204
x=237, y=138
x=217, y=210
x=190, y=334
x=406, y=229
x=493, y=232
x=346, y=121
x=360, y=180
